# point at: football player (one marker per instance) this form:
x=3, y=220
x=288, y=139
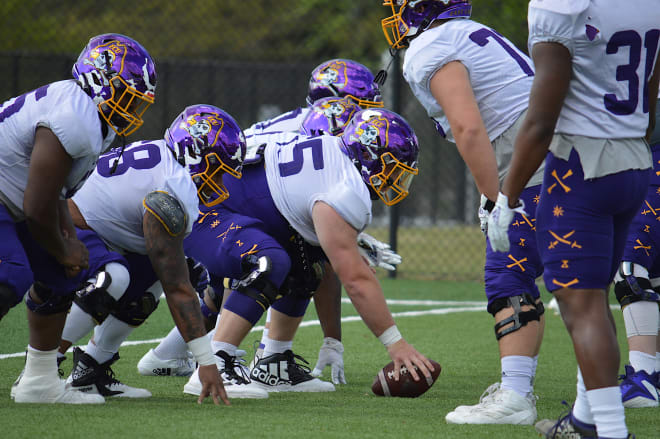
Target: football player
x=335, y=77
x=591, y=103
x=51, y=139
x=636, y=286
x=327, y=116
x=319, y=191
x=142, y=201
x=450, y=65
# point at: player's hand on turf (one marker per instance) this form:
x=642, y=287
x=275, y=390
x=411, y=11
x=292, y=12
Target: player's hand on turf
x=499, y=221
x=377, y=253
x=75, y=257
x=212, y=385
x=331, y=354
x=404, y=354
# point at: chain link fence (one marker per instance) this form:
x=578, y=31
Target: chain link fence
x=253, y=59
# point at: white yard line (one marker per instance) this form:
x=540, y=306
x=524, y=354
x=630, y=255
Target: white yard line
x=472, y=306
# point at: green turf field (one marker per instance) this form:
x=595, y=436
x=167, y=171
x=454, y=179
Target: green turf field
x=458, y=336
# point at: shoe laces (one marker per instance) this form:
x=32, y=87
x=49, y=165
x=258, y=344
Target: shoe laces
x=296, y=369
x=490, y=393
x=60, y=372
x=108, y=373
x=235, y=369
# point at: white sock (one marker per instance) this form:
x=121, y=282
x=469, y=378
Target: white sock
x=517, y=373
x=642, y=361
x=581, y=408
x=264, y=334
x=78, y=324
x=276, y=347
x=172, y=346
x=607, y=408
x=40, y=364
x=108, y=336
x=222, y=346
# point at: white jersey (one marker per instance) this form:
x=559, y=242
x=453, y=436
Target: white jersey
x=65, y=109
x=500, y=74
x=610, y=44
x=112, y=203
x=302, y=170
x=290, y=122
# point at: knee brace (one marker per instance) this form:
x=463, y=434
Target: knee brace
x=519, y=318
x=136, y=311
x=255, y=282
x=8, y=299
x=94, y=298
x=307, y=269
x=49, y=302
x=633, y=289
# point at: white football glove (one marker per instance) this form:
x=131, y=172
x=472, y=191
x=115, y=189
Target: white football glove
x=499, y=220
x=377, y=253
x=331, y=354
x=485, y=208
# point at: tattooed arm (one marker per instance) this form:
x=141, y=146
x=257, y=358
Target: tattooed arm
x=165, y=251
x=169, y=262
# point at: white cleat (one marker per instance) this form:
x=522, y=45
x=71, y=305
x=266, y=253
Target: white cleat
x=497, y=406
x=91, y=377
x=51, y=391
x=151, y=365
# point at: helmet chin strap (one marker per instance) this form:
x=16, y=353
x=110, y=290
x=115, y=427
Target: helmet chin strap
x=121, y=152
x=381, y=76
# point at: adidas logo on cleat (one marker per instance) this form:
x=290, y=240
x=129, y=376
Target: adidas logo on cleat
x=267, y=378
x=162, y=371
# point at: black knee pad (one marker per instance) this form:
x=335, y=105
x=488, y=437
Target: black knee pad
x=50, y=302
x=136, y=311
x=519, y=318
x=94, y=298
x=255, y=282
x=307, y=268
x=8, y=299
x=634, y=289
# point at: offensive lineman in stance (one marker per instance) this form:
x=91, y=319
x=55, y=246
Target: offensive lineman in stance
x=320, y=189
x=50, y=141
x=155, y=188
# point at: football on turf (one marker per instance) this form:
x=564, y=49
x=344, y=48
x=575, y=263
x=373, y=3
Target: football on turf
x=406, y=387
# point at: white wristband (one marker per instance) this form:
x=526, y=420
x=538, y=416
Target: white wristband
x=390, y=336
x=201, y=350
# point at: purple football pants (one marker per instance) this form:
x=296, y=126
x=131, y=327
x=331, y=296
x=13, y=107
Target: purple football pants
x=582, y=225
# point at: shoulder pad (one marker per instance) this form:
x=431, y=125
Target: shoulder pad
x=168, y=210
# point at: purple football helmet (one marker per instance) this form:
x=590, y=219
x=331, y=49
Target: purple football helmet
x=209, y=143
x=411, y=17
x=120, y=77
x=329, y=116
x=384, y=148
x=343, y=77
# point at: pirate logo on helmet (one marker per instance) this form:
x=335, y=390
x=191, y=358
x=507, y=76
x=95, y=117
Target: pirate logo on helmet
x=333, y=74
